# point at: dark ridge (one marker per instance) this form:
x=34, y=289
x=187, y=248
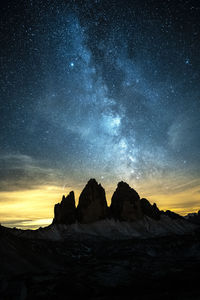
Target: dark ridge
x=65, y=212
x=92, y=204
x=149, y=210
x=126, y=205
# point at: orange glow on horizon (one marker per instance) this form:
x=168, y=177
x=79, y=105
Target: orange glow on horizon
x=34, y=208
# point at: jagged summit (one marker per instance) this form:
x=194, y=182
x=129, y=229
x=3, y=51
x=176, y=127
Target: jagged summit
x=65, y=212
x=123, y=184
x=194, y=217
x=92, y=181
x=126, y=205
x=92, y=204
x=149, y=210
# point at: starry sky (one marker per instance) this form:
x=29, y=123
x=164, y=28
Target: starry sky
x=105, y=89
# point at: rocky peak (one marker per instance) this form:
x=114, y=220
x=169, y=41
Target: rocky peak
x=149, y=210
x=194, y=217
x=125, y=206
x=123, y=185
x=172, y=214
x=92, y=203
x=65, y=212
x=125, y=203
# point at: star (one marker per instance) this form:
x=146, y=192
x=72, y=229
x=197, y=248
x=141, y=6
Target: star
x=93, y=93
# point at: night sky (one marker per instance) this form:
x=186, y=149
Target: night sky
x=98, y=89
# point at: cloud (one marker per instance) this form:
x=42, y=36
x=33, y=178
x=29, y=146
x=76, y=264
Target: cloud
x=19, y=172
x=27, y=223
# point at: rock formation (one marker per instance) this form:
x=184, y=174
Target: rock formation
x=125, y=206
x=125, y=203
x=172, y=214
x=65, y=212
x=193, y=217
x=149, y=210
x=92, y=204
x=153, y=211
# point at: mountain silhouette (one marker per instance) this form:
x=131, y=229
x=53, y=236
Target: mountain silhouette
x=128, y=250
x=126, y=205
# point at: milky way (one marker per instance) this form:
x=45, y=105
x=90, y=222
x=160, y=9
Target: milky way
x=104, y=89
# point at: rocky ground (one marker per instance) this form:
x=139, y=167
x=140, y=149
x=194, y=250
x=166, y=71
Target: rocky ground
x=130, y=250
x=98, y=268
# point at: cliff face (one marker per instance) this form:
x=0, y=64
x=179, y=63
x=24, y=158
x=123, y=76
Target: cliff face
x=149, y=210
x=92, y=204
x=126, y=205
x=65, y=212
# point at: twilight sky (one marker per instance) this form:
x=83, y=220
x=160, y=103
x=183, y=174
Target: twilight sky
x=98, y=88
